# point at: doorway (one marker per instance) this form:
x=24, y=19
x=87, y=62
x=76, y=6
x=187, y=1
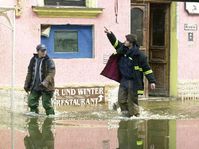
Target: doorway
x=151, y=23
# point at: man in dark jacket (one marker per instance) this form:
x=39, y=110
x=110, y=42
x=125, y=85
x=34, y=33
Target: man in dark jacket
x=40, y=81
x=132, y=64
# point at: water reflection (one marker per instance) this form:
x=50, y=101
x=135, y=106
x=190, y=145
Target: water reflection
x=39, y=139
x=100, y=128
x=129, y=135
x=37, y=133
x=147, y=134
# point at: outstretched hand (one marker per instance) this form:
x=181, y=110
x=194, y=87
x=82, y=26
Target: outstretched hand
x=106, y=30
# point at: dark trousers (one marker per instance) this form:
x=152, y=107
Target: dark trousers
x=127, y=99
x=33, y=101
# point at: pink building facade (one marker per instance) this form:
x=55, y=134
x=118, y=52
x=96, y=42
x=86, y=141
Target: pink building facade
x=70, y=71
x=188, y=74
x=85, y=70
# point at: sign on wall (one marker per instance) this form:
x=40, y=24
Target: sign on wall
x=79, y=96
x=190, y=27
x=192, y=7
x=190, y=36
x=190, y=31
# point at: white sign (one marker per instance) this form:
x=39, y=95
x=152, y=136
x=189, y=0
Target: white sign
x=79, y=96
x=192, y=7
x=190, y=27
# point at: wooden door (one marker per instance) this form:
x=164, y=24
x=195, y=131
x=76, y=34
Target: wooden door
x=139, y=24
x=159, y=47
x=140, y=28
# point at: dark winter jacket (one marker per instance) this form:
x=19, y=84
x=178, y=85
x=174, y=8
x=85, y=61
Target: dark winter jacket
x=46, y=73
x=132, y=64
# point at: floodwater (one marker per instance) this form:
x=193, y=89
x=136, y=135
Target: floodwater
x=163, y=124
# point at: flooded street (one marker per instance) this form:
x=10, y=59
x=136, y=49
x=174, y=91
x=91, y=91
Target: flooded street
x=66, y=64
x=163, y=124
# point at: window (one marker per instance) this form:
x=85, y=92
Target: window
x=68, y=41
x=158, y=27
x=65, y=2
x=137, y=24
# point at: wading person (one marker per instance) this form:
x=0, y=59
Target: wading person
x=132, y=65
x=40, y=81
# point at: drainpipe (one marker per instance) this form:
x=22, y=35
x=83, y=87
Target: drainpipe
x=11, y=26
x=13, y=79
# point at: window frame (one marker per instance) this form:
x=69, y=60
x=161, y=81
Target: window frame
x=141, y=43
x=65, y=3
x=85, y=42
x=66, y=31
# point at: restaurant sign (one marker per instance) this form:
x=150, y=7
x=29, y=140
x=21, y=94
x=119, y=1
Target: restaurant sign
x=79, y=96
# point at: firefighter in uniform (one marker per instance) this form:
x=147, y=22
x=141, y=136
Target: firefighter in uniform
x=132, y=65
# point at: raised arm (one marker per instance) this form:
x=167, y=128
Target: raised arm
x=114, y=41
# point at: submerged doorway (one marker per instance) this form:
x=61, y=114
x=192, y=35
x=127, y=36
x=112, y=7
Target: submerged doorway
x=151, y=23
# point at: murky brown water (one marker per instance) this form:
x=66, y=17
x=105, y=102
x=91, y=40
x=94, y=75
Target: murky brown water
x=168, y=124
